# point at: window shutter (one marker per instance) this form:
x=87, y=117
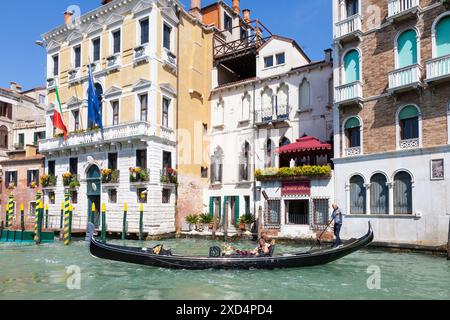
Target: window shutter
x=28, y=178
x=15, y=179
x=211, y=206
x=236, y=210
x=408, y=112
x=352, y=123
x=9, y=111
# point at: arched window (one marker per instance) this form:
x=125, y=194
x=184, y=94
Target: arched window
x=4, y=137
x=409, y=123
x=244, y=167
x=219, y=113
x=353, y=133
x=352, y=7
x=246, y=104
x=379, y=194
x=267, y=104
x=351, y=67
x=407, y=53
x=305, y=95
x=285, y=160
x=402, y=193
x=270, y=159
x=443, y=37
x=357, y=195
x=283, y=101
x=217, y=166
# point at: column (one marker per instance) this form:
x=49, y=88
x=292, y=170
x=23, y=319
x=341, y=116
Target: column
x=367, y=186
x=347, y=198
x=391, y=197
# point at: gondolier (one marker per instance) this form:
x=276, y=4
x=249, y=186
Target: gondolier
x=338, y=221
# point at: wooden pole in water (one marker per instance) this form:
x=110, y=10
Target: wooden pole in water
x=260, y=224
x=40, y=214
x=36, y=218
x=448, y=243
x=67, y=219
x=22, y=217
x=46, y=216
x=141, y=222
x=9, y=212
x=104, y=223
x=125, y=213
x=93, y=209
x=61, y=221
x=70, y=221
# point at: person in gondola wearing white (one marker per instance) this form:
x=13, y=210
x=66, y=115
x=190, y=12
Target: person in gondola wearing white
x=338, y=219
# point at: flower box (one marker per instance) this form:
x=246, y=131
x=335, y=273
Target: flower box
x=305, y=172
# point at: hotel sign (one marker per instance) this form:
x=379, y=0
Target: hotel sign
x=301, y=188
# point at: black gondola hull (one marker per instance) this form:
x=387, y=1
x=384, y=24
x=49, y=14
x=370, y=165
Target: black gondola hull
x=140, y=256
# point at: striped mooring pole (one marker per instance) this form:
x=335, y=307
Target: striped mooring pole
x=70, y=221
x=104, y=223
x=22, y=217
x=46, y=216
x=93, y=209
x=67, y=219
x=10, y=212
x=141, y=222
x=61, y=221
x=40, y=215
x=36, y=218
x=125, y=213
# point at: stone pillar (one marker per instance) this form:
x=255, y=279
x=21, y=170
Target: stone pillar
x=347, y=198
x=368, y=209
x=391, y=197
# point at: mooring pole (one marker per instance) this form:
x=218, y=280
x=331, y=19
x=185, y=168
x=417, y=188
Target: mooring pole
x=225, y=223
x=10, y=212
x=22, y=217
x=46, y=216
x=260, y=225
x=36, y=218
x=93, y=209
x=104, y=223
x=70, y=221
x=125, y=213
x=61, y=221
x=40, y=215
x=141, y=222
x=448, y=243
x=67, y=219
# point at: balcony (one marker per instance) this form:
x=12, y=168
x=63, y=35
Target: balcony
x=409, y=144
x=404, y=79
x=96, y=67
x=113, y=63
x=349, y=93
x=167, y=133
x=438, y=69
x=19, y=146
x=353, y=152
x=51, y=83
x=141, y=54
x=402, y=9
x=75, y=76
x=110, y=177
x=273, y=116
x=139, y=176
x=124, y=132
x=170, y=61
x=349, y=29
x=169, y=176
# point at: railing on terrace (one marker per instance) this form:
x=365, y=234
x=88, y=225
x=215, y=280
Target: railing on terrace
x=396, y=7
x=351, y=152
x=438, y=68
x=409, y=144
x=348, y=92
x=406, y=76
x=350, y=25
x=120, y=132
x=141, y=54
x=272, y=114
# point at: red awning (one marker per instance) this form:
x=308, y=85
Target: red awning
x=305, y=145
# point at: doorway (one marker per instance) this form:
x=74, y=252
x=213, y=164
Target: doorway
x=93, y=180
x=297, y=212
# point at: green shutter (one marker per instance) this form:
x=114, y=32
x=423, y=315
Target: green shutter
x=236, y=210
x=211, y=206
x=225, y=200
x=408, y=112
x=352, y=123
x=35, y=138
x=220, y=207
x=407, y=48
x=443, y=37
x=351, y=66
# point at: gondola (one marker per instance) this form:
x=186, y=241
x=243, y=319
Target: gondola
x=146, y=257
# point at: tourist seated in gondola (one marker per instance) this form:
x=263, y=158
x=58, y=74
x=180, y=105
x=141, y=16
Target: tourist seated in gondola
x=263, y=249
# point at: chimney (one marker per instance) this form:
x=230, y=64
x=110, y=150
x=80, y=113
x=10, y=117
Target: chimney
x=246, y=14
x=196, y=9
x=17, y=88
x=68, y=17
x=236, y=6
x=328, y=55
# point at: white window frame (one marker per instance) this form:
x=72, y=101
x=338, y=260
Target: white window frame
x=398, y=129
x=138, y=31
x=417, y=44
x=275, y=59
x=273, y=62
x=52, y=58
x=111, y=41
x=433, y=32
x=342, y=71
x=111, y=108
x=72, y=119
x=169, y=112
x=172, y=36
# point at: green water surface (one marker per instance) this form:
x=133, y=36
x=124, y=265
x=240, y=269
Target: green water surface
x=31, y=272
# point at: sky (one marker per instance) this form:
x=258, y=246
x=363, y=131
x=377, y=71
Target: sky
x=22, y=22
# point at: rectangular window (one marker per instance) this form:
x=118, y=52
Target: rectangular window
x=143, y=99
x=55, y=65
x=51, y=168
x=116, y=41
x=247, y=204
x=73, y=166
x=165, y=112
x=115, y=112
x=167, y=37
x=51, y=197
x=321, y=208
x=141, y=159
x=21, y=140
x=76, y=120
x=11, y=177
x=77, y=56
x=112, y=196
x=204, y=172
x=96, y=50
x=142, y=195
x=353, y=137
x=268, y=62
x=228, y=23
x=42, y=99
x=5, y=110
x=167, y=160
x=166, y=196
x=112, y=161
x=32, y=176
x=32, y=210
x=281, y=58
x=144, y=27
x=274, y=209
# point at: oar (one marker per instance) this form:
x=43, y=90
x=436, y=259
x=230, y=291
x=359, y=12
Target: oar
x=321, y=235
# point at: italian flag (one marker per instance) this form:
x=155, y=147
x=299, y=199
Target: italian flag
x=58, y=121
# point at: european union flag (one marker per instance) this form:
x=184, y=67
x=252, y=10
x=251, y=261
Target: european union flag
x=94, y=112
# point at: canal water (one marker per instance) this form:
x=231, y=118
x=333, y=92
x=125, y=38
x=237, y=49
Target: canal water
x=31, y=272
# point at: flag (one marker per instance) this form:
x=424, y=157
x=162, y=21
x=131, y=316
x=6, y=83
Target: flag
x=58, y=121
x=94, y=111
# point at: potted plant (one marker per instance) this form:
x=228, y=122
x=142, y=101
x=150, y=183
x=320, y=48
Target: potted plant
x=192, y=220
x=67, y=178
x=246, y=221
x=106, y=175
x=33, y=185
x=206, y=219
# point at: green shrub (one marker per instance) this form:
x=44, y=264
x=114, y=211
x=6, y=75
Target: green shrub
x=205, y=218
x=193, y=219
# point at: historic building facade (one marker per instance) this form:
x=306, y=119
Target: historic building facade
x=391, y=118
x=131, y=46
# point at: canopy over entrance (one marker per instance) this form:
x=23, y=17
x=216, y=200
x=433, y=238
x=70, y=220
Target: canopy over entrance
x=306, y=146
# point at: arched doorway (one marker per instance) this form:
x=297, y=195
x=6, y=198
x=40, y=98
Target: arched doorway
x=93, y=180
